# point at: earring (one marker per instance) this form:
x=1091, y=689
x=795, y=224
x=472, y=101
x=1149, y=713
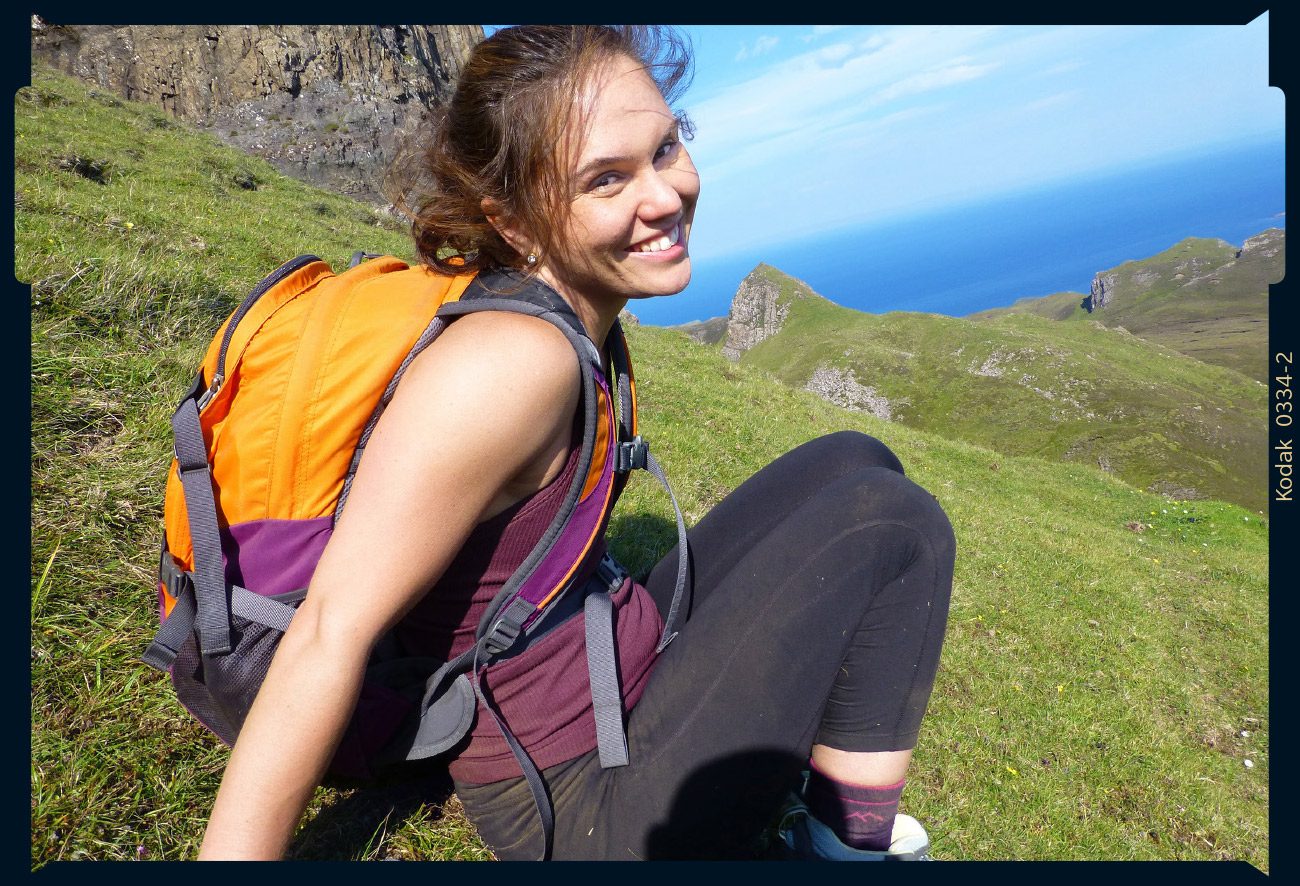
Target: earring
x=531, y=259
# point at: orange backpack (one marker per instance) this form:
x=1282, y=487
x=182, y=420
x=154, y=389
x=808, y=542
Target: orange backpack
x=268, y=439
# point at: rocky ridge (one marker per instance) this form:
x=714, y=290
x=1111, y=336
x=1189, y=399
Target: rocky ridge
x=1260, y=257
x=1202, y=297
x=1102, y=287
x=327, y=104
x=1083, y=391
x=1269, y=244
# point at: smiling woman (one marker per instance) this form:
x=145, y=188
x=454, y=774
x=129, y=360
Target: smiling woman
x=634, y=196
x=774, y=708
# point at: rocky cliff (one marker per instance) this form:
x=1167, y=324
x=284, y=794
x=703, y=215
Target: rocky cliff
x=1269, y=245
x=1102, y=287
x=323, y=103
x=760, y=308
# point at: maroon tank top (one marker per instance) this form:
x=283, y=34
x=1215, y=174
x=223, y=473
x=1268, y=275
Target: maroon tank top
x=543, y=693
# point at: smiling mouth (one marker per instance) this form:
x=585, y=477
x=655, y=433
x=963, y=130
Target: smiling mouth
x=660, y=243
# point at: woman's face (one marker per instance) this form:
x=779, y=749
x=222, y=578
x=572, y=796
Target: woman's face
x=633, y=190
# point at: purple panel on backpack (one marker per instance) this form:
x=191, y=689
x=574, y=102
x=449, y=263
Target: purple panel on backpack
x=586, y=522
x=272, y=557
x=569, y=547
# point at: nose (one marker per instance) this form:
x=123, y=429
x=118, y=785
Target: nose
x=661, y=196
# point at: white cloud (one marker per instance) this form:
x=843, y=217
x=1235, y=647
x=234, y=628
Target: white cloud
x=871, y=118
x=820, y=31
x=765, y=43
x=834, y=55
x=1063, y=68
x=927, y=81
x=1049, y=101
x=796, y=100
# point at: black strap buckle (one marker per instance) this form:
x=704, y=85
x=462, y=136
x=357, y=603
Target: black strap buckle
x=507, y=625
x=171, y=576
x=610, y=573
x=632, y=454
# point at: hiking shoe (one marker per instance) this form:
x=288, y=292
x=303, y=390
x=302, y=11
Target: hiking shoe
x=805, y=838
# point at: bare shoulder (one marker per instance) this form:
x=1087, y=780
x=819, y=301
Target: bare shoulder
x=493, y=398
x=504, y=355
x=528, y=341
x=497, y=379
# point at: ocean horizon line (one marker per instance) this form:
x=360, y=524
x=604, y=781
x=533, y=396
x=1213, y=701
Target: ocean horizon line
x=1037, y=241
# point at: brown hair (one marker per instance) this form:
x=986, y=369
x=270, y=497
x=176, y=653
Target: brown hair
x=504, y=136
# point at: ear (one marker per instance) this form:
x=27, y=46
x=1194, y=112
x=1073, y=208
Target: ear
x=509, y=233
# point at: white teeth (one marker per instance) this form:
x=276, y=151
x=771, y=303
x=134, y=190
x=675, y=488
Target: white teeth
x=659, y=244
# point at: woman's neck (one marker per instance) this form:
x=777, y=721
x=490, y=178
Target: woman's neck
x=597, y=316
x=598, y=321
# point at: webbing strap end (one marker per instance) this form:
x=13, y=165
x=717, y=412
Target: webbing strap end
x=602, y=670
x=159, y=656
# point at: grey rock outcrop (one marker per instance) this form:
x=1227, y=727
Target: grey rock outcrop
x=841, y=387
x=760, y=308
x=1269, y=244
x=1103, y=285
x=323, y=103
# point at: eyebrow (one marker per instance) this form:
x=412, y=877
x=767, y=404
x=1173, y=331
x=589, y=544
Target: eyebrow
x=592, y=165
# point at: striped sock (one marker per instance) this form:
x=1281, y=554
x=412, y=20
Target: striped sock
x=862, y=816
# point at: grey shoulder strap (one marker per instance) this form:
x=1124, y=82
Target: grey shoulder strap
x=213, y=616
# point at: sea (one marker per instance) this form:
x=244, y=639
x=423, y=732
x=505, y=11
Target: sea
x=987, y=254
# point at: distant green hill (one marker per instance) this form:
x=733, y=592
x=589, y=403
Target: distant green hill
x=1104, y=691
x=706, y=332
x=1025, y=385
x=1201, y=297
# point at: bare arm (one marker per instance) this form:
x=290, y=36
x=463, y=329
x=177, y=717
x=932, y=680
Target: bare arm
x=481, y=419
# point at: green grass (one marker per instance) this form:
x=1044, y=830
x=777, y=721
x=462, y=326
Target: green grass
x=1152, y=626
x=1106, y=652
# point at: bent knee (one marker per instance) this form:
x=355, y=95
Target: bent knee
x=880, y=495
x=851, y=450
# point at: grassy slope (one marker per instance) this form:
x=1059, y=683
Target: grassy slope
x=1195, y=297
x=1105, y=650
x=1081, y=680
x=1025, y=385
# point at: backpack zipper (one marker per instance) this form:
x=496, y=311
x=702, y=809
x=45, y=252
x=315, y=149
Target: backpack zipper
x=219, y=377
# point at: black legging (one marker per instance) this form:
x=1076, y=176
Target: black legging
x=821, y=591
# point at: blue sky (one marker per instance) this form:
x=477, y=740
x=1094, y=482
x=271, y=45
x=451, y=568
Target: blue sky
x=803, y=129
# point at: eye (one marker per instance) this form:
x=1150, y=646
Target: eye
x=604, y=181
x=667, y=149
